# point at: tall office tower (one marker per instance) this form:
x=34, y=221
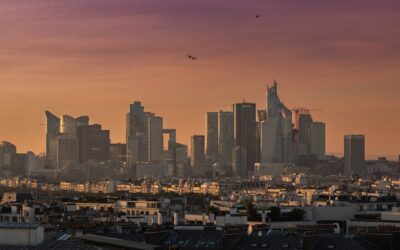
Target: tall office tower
x=197, y=156
x=304, y=122
x=118, y=152
x=134, y=133
x=67, y=151
x=52, y=132
x=354, y=154
x=155, y=139
x=68, y=126
x=22, y=164
x=225, y=138
x=259, y=126
x=316, y=139
x=245, y=135
x=277, y=137
x=93, y=142
x=84, y=135
x=100, y=143
x=176, y=159
x=239, y=162
x=211, y=138
x=82, y=120
x=6, y=150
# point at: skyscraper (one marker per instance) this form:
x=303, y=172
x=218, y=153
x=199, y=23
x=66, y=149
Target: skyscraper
x=197, y=155
x=276, y=134
x=316, y=139
x=225, y=137
x=354, y=154
x=135, y=121
x=304, y=122
x=100, y=143
x=211, y=138
x=52, y=132
x=6, y=150
x=155, y=139
x=244, y=137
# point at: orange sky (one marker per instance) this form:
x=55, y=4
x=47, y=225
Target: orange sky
x=95, y=57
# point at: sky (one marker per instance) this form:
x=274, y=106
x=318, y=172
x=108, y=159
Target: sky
x=95, y=57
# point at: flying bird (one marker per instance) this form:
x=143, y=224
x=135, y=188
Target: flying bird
x=191, y=57
x=258, y=16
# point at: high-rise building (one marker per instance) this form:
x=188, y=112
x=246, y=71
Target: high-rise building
x=155, y=139
x=211, y=138
x=176, y=159
x=71, y=140
x=118, y=152
x=197, y=155
x=304, y=122
x=22, y=164
x=239, y=162
x=68, y=126
x=99, y=143
x=6, y=150
x=276, y=133
x=225, y=137
x=52, y=132
x=67, y=151
x=135, y=121
x=245, y=136
x=316, y=139
x=354, y=154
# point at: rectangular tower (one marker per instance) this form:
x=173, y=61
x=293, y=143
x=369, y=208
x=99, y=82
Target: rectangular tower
x=211, y=137
x=354, y=154
x=245, y=135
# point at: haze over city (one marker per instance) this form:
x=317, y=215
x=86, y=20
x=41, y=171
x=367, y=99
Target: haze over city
x=94, y=58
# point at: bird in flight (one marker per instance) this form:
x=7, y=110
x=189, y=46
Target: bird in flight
x=258, y=16
x=192, y=57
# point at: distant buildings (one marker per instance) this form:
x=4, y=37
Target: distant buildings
x=211, y=138
x=22, y=164
x=144, y=136
x=136, y=134
x=309, y=137
x=6, y=150
x=197, y=155
x=118, y=152
x=276, y=133
x=70, y=141
x=244, y=153
x=155, y=139
x=316, y=140
x=225, y=138
x=354, y=154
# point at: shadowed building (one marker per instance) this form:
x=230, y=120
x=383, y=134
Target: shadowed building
x=276, y=138
x=155, y=139
x=52, y=132
x=225, y=137
x=244, y=137
x=211, y=138
x=354, y=154
x=197, y=156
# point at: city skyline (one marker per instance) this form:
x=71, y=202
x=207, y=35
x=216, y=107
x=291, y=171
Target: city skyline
x=341, y=58
x=187, y=141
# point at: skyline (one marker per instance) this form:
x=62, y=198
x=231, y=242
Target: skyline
x=340, y=57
